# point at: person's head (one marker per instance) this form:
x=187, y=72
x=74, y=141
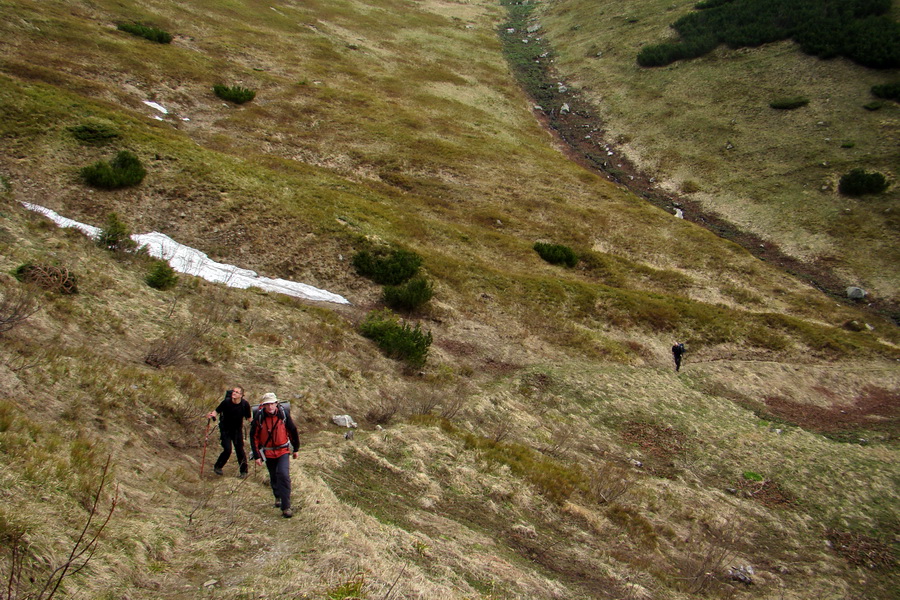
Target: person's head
x=237, y=394
x=269, y=402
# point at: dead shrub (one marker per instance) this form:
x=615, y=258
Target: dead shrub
x=19, y=303
x=424, y=401
x=180, y=343
x=703, y=571
x=384, y=411
x=48, y=277
x=609, y=483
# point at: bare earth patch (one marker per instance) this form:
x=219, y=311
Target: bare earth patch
x=875, y=408
x=659, y=445
x=768, y=493
x=861, y=550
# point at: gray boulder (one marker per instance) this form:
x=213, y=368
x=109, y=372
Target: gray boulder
x=856, y=293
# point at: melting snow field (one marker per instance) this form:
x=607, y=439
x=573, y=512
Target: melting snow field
x=189, y=261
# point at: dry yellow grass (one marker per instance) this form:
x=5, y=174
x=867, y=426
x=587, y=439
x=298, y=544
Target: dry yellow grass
x=540, y=372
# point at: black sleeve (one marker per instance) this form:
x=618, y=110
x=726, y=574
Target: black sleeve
x=247, y=413
x=221, y=408
x=293, y=434
x=254, y=450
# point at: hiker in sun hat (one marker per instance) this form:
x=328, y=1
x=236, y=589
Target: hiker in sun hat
x=274, y=438
x=232, y=412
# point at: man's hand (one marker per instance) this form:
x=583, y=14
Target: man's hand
x=294, y=455
x=259, y=461
x=211, y=415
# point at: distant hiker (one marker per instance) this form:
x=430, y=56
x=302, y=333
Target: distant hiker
x=272, y=435
x=677, y=352
x=232, y=411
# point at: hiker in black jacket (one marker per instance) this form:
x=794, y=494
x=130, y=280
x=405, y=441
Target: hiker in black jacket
x=232, y=411
x=677, y=352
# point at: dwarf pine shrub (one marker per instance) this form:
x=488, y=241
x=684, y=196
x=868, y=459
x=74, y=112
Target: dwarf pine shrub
x=234, y=93
x=862, y=31
x=94, y=133
x=161, y=276
x=387, y=267
x=789, y=103
x=146, y=31
x=396, y=339
x=859, y=182
x=888, y=91
x=125, y=170
x=556, y=254
x=409, y=296
x=115, y=235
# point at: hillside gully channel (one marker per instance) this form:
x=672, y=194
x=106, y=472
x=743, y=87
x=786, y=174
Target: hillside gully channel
x=572, y=120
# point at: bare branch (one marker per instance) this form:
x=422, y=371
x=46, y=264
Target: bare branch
x=19, y=303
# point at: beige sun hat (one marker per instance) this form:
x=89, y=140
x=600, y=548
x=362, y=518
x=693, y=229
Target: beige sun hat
x=269, y=398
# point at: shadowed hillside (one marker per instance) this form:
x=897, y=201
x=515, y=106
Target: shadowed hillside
x=546, y=449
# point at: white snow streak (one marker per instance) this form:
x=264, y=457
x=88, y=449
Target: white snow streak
x=190, y=261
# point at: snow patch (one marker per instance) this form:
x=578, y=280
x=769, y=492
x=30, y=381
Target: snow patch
x=190, y=261
x=158, y=107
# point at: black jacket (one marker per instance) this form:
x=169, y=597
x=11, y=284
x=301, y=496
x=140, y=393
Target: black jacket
x=231, y=415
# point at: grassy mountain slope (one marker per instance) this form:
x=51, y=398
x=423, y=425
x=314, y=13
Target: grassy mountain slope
x=704, y=129
x=547, y=450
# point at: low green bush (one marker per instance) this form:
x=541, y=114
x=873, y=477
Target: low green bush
x=888, y=91
x=409, y=296
x=161, y=276
x=147, y=32
x=125, y=170
x=556, y=254
x=115, y=235
x=234, y=93
x=387, y=267
x=789, y=103
x=752, y=476
x=94, y=133
x=859, y=182
x=396, y=339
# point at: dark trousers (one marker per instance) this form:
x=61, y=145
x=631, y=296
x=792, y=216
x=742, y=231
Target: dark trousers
x=280, y=478
x=677, y=362
x=229, y=439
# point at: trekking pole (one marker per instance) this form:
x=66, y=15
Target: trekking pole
x=205, y=442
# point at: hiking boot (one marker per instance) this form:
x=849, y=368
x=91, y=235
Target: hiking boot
x=218, y=471
x=277, y=503
x=244, y=475
x=287, y=513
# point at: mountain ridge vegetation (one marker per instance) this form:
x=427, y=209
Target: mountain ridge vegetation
x=545, y=449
